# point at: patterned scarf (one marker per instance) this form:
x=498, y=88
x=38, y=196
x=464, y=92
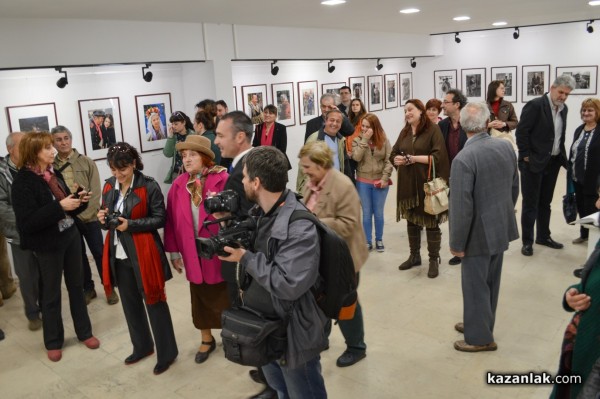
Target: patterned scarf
x=50, y=179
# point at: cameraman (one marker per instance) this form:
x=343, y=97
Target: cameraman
x=281, y=272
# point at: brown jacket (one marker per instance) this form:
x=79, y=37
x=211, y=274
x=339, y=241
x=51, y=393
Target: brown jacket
x=506, y=113
x=372, y=165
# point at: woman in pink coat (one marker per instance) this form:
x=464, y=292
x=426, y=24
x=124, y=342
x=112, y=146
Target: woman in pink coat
x=185, y=218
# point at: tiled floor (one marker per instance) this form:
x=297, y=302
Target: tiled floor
x=409, y=322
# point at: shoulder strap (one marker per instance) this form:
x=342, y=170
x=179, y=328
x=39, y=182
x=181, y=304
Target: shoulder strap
x=64, y=166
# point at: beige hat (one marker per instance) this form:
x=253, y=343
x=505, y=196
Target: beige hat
x=196, y=143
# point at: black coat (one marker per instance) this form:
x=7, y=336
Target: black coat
x=279, y=138
x=592, y=172
x=315, y=124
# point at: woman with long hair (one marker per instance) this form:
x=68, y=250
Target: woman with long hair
x=181, y=127
x=356, y=112
x=109, y=125
x=502, y=113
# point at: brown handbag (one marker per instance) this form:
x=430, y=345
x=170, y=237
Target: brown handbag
x=436, y=192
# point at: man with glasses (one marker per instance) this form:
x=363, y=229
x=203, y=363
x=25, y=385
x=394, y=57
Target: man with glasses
x=346, y=97
x=315, y=124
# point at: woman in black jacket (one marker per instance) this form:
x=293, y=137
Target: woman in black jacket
x=45, y=212
x=134, y=260
x=270, y=132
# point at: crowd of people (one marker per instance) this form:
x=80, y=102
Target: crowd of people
x=51, y=202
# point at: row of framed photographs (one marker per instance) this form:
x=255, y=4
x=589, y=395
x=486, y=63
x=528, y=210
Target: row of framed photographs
x=376, y=92
x=101, y=122
x=535, y=81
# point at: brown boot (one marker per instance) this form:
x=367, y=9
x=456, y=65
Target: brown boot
x=414, y=241
x=434, y=241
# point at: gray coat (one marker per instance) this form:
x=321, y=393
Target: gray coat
x=8, y=223
x=484, y=183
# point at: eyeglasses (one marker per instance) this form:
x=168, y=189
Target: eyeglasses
x=178, y=116
x=448, y=102
x=117, y=148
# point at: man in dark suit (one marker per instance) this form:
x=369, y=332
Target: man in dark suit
x=485, y=188
x=541, y=140
x=315, y=124
x=346, y=99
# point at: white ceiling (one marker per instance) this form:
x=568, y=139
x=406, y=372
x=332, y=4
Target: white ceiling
x=374, y=15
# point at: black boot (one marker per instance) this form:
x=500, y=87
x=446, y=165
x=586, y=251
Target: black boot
x=414, y=241
x=434, y=241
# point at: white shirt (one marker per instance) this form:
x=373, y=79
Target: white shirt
x=120, y=251
x=558, y=124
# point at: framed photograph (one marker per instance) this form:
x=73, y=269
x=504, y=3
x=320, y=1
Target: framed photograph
x=308, y=100
x=333, y=88
x=32, y=117
x=444, y=81
x=406, y=91
x=508, y=75
x=283, y=98
x=586, y=78
x=357, y=85
x=473, y=83
x=536, y=81
x=100, y=125
x=255, y=99
x=375, y=86
x=391, y=90
x=153, y=113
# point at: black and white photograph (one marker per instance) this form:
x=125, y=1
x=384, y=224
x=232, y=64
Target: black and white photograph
x=586, y=78
x=391, y=90
x=444, y=81
x=508, y=75
x=473, y=83
x=357, y=85
x=405, y=87
x=31, y=118
x=375, y=84
x=536, y=81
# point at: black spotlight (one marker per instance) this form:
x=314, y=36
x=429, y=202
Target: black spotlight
x=456, y=38
x=413, y=63
x=590, y=28
x=330, y=68
x=274, y=68
x=63, y=81
x=147, y=75
x=379, y=64
x=516, y=34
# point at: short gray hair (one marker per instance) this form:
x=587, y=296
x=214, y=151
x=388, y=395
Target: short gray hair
x=10, y=139
x=327, y=95
x=474, y=117
x=60, y=129
x=565, y=80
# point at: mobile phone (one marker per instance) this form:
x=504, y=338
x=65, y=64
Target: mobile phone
x=79, y=190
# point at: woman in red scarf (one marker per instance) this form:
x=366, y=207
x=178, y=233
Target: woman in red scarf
x=134, y=260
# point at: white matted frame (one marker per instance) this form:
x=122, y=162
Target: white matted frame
x=406, y=85
x=375, y=91
x=334, y=89
x=235, y=100
x=536, y=81
x=474, y=83
x=357, y=86
x=508, y=75
x=391, y=90
x=283, y=99
x=308, y=100
x=31, y=117
x=444, y=81
x=95, y=146
x=586, y=78
x=261, y=93
x=153, y=108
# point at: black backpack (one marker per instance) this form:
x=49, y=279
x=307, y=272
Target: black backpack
x=336, y=296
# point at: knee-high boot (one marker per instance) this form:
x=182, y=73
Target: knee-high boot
x=434, y=241
x=414, y=241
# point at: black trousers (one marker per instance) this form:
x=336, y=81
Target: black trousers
x=537, y=190
x=133, y=301
x=586, y=205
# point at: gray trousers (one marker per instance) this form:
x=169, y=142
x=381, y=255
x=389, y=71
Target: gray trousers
x=27, y=269
x=480, y=286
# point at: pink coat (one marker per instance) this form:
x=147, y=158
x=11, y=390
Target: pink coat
x=179, y=228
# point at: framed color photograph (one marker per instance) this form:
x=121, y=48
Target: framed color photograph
x=283, y=99
x=586, y=78
x=536, y=81
x=100, y=125
x=444, y=81
x=391, y=90
x=333, y=88
x=308, y=100
x=473, y=83
x=357, y=85
x=33, y=117
x=508, y=75
x=255, y=99
x=375, y=87
x=405, y=87
x=153, y=113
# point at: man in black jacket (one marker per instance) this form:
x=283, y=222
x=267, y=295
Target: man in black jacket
x=315, y=124
x=541, y=140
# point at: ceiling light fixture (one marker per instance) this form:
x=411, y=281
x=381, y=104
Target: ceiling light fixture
x=63, y=81
x=589, y=27
x=594, y=3
x=456, y=38
x=274, y=68
x=332, y=2
x=462, y=18
x=499, y=23
x=413, y=63
x=147, y=75
x=409, y=11
x=378, y=65
x=330, y=68
x=516, y=33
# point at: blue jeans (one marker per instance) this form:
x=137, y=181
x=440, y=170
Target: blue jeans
x=373, y=201
x=303, y=382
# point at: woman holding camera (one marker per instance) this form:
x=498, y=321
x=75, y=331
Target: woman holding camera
x=185, y=218
x=134, y=260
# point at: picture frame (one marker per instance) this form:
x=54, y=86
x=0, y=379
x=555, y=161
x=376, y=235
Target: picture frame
x=406, y=87
x=507, y=74
x=235, y=100
x=391, y=90
x=357, y=86
x=97, y=132
x=375, y=92
x=308, y=100
x=253, y=107
x=443, y=81
x=31, y=117
x=153, y=113
x=586, y=78
x=535, y=81
x=474, y=85
x=333, y=88
x=283, y=99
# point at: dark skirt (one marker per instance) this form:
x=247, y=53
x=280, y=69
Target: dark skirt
x=208, y=302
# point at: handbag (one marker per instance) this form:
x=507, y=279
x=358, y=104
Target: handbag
x=569, y=201
x=436, y=192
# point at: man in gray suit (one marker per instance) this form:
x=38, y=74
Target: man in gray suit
x=485, y=187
